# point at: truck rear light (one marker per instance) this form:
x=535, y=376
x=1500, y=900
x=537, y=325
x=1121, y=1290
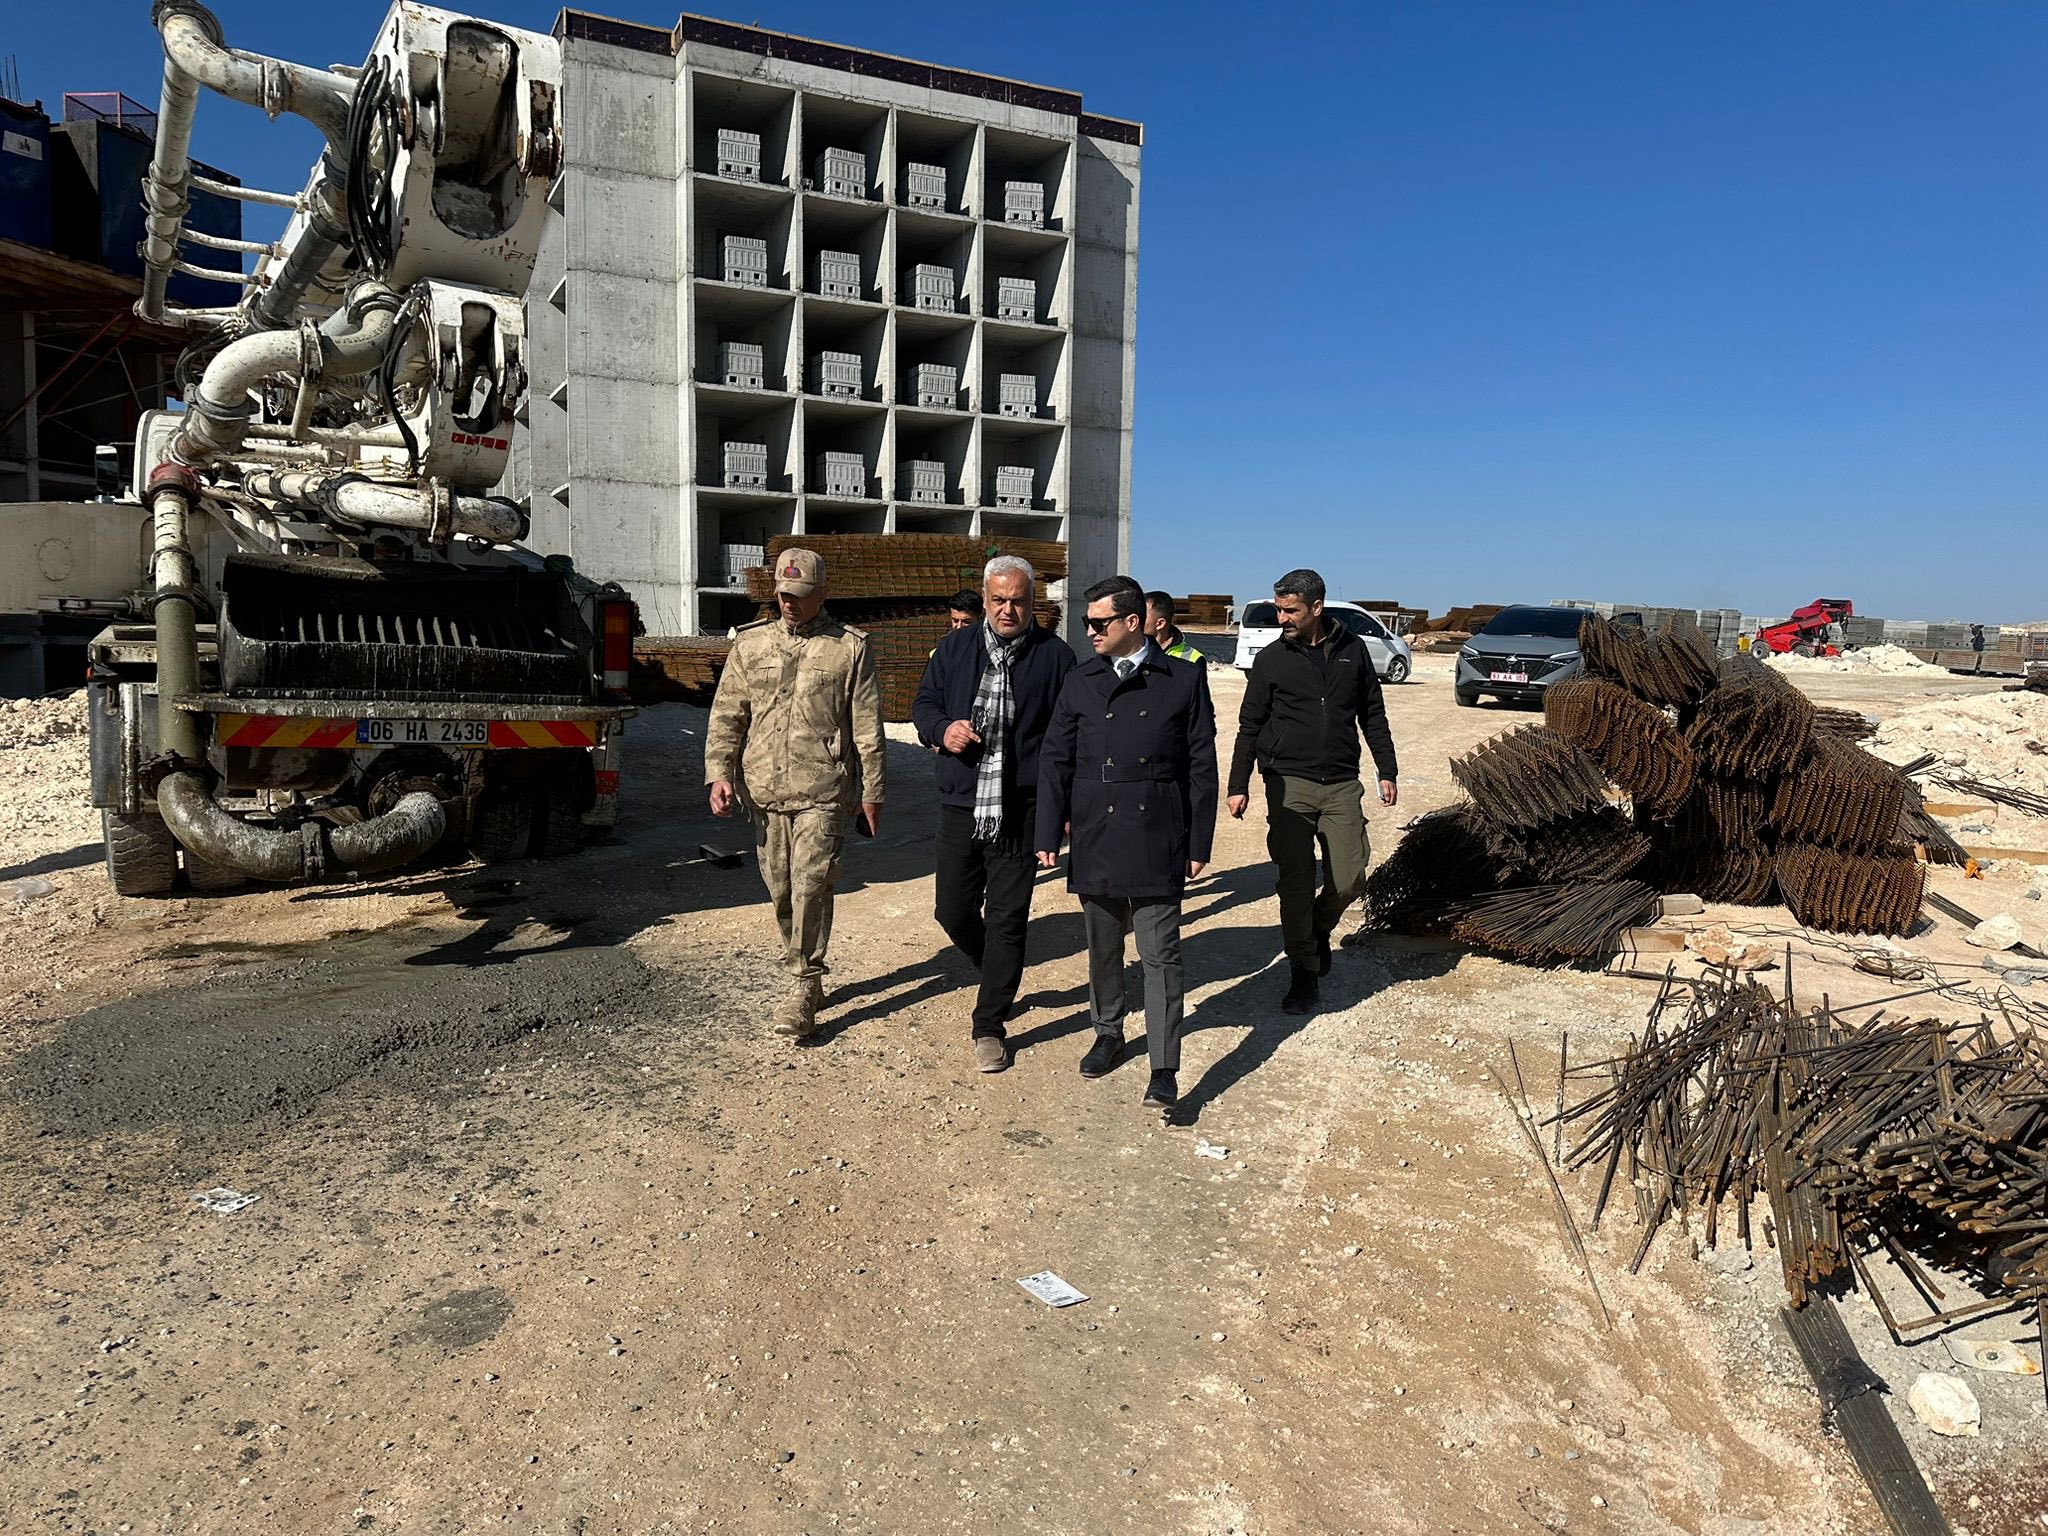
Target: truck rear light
x=615, y=621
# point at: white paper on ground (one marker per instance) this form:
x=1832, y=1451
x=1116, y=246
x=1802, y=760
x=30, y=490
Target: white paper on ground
x=1051, y=1289
x=224, y=1202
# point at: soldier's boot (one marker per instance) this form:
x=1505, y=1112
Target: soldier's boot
x=797, y=1018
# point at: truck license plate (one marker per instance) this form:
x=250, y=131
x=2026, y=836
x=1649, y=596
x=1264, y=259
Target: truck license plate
x=1509, y=677
x=380, y=732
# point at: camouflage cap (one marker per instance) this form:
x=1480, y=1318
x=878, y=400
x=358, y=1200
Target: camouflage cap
x=799, y=572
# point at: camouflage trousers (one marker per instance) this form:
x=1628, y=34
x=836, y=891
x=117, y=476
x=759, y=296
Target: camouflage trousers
x=799, y=853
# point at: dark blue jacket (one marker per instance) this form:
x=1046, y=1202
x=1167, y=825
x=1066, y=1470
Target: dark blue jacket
x=1132, y=765
x=951, y=679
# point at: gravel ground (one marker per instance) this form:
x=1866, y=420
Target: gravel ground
x=553, y=1236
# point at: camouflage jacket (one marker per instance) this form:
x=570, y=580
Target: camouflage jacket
x=797, y=722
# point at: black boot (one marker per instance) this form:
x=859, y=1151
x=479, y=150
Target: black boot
x=1103, y=1056
x=1302, y=992
x=1163, y=1092
x=1322, y=966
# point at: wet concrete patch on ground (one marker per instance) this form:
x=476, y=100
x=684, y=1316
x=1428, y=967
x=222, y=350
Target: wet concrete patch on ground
x=264, y=1045
x=461, y=1319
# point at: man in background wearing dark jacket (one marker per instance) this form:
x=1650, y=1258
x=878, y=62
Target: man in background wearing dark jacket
x=1308, y=700
x=983, y=706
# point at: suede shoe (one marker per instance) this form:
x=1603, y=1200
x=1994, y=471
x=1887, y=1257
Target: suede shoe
x=1103, y=1056
x=991, y=1053
x=1303, y=992
x=1163, y=1092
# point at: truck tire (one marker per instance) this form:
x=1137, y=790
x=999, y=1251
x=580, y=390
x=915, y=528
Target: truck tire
x=142, y=856
x=1468, y=700
x=202, y=876
x=504, y=827
x=559, y=828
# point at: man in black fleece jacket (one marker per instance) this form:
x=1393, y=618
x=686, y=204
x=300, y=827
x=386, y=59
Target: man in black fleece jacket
x=1308, y=700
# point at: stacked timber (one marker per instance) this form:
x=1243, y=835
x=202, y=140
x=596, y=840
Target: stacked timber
x=894, y=587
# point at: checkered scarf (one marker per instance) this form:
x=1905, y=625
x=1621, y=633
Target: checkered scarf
x=995, y=712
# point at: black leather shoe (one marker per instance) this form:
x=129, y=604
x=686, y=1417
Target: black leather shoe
x=1103, y=1056
x=1322, y=954
x=1302, y=992
x=1162, y=1092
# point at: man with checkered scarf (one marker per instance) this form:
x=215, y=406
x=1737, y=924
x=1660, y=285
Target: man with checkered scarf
x=983, y=706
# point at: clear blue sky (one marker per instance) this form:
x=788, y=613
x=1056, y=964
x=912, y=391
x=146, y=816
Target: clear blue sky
x=1732, y=304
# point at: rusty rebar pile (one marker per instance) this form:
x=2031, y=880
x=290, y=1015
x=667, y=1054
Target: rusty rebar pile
x=1526, y=777
x=1676, y=666
x=1846, y=892
x=1838, y=794
x=1443, y=856
x=1550, y=924
x=1717, y=857
x=1751, y=801
x=1919, y=830
x=1633, y=741
x=1586, y=845
x=1900, y=1136
x=1850, y=724
x=1753, y=725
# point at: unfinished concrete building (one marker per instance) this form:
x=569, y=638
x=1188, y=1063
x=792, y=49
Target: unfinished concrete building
x=791, y=288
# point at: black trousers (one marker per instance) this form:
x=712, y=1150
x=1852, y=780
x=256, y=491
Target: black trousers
x=983, y=901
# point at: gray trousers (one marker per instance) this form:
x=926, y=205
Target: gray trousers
x=1157, y=926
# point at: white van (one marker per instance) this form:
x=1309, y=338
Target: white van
x=1258, y=626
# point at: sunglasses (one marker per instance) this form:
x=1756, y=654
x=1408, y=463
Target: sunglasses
x=1101, y=626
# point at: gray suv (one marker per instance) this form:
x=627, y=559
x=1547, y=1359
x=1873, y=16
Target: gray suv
x=1521, y=652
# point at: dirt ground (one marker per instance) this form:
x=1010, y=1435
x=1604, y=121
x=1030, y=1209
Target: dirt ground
x=553, y=1236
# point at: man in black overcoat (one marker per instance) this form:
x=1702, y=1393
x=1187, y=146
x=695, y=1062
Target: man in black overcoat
x=1129, y=761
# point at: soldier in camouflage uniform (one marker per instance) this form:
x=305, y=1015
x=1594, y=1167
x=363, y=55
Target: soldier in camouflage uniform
x=796, y=740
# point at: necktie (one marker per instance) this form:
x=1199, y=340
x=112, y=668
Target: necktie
x=1123, y=667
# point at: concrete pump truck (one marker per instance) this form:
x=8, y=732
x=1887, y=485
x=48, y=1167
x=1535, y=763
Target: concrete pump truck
x=375, y=670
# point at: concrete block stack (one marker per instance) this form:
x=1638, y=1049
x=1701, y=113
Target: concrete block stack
x=745, y=260
x=1024, y=203
x=1016, y=299
x=924, y=480
x=745, y=466
x=927, y=185
x=932, y=287
x=1904, y=632
x=1017, y=394
x=1014, y=485
x=837, y=274
x=836, y=375
x=840, y=474
x=739, y=155
x=736, y=560
x=740, y=364
x=841, y=172
x=932, y=384
x=895, y=587
x=1863, y=630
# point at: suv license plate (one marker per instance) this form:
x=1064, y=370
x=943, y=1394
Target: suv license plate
x=1509, y=677
x=380, y=732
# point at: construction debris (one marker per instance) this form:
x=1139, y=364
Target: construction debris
x=1897, y=1136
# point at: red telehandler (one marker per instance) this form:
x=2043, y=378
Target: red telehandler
x=1815, y=630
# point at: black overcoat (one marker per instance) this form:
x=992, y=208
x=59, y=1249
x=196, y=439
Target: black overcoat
x=1132, y=764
